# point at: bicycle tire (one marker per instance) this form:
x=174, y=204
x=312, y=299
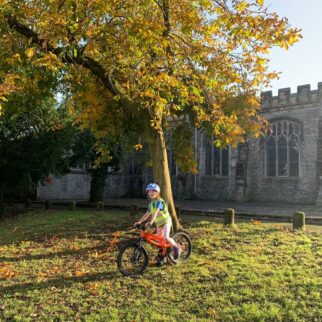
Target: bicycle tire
x=183, y=239
x=131, y=248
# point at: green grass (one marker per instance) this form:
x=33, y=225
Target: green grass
x=60, y=266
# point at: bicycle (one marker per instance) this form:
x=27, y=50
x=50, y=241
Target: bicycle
x=133, y=257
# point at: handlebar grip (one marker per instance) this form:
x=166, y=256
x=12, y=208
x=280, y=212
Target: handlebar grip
x=140, y=227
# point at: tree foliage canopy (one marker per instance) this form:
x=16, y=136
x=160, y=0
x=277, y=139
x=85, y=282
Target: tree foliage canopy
x=129, y=63
x=135, y=65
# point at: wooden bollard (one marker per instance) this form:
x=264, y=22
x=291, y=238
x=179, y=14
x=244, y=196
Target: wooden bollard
x=134, y=210
x=72, y=205
x=299, y=220
x=48, y=205
x=99, y=206
x=229, y=217
x=28, y=203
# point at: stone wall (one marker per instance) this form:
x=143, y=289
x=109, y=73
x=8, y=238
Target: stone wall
x=247, y=178
x=76, y=186
x=305, y=108
x=213, y=187
x=71, y=186
x=114, y=186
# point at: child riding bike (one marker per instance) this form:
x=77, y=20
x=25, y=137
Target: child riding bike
x=160, y=216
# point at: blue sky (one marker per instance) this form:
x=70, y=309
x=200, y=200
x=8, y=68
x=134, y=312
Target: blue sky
x=302, y=63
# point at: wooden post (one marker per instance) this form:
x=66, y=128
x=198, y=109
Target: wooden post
x=99, y=206
x=134, y=210
x=48, y=205
x=229, y=217
x=72, y=205
x=299, y=220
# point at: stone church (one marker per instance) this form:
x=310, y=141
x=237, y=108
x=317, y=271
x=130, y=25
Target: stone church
x=284, y=166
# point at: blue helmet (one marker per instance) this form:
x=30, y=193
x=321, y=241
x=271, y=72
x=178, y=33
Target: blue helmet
x=152, y=186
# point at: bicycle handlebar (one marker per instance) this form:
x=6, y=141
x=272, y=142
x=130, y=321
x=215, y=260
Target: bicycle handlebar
x=140, y=226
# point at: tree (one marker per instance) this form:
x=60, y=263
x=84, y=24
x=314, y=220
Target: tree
x=138, y=63
x=29, y=153
x=84, y=151
x=35, y=131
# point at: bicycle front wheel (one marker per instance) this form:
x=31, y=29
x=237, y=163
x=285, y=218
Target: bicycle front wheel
x=132, y=259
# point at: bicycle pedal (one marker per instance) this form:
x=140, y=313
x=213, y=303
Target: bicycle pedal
x=161, y=262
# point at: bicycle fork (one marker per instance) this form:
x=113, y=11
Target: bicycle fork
x=137, y=252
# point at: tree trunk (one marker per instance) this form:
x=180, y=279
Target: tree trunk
x=161, y=174
x=98, y=183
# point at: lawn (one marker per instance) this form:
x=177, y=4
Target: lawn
x=60, y=266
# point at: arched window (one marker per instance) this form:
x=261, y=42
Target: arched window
x=216, y=160
x=282, y=149
x=208, y=151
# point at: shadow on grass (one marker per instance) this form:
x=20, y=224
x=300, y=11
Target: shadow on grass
x=61, y=282
x=68, y=252
x=259, y=230
x=38, y=226
x=97, y=233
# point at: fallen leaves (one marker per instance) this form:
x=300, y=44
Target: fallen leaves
x=114, y=242
x=53, y=272
x=211, y=312
x=92, y=288
x=6, y=271
x=81, y=272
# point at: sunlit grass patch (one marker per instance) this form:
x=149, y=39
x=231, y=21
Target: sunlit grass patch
x=60, y=266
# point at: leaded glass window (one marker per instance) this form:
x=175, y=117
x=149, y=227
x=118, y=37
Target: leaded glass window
x=216, y=160
x=282, y=149
x=208, y=158
x=171, y=160
x=282, y=156
x=294, y=156
x=271, y=156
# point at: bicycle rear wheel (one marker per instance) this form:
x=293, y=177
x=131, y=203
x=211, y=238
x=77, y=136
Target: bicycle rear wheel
x=132, y=259
x=185, y=244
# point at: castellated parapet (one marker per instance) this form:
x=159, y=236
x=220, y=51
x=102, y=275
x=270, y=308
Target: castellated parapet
x=285, y=98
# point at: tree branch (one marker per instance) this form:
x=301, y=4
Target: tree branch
x=132, y=107
x=87, y=62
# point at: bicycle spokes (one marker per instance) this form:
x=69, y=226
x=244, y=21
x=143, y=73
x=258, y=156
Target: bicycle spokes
x=132, y=260
x=136, y=256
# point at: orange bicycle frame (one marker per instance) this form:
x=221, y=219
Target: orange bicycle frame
x=155, y=240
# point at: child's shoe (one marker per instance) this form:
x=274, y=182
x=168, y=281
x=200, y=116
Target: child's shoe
x=176, y=252
x=161, y=261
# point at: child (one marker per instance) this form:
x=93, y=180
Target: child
x=161, y=217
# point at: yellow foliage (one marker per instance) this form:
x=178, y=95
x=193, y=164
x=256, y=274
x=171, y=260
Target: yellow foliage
x=150, y=61
x=30, y=52
x=50, y=61
x=138, y=147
